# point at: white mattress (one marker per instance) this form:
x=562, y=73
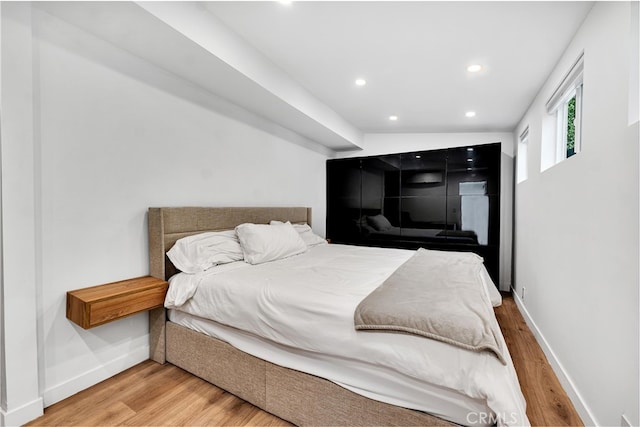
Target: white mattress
x=298, y=313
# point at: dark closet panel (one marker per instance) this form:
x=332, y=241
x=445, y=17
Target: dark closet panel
x=343, y=205
x=446, y=199
x=380, y=191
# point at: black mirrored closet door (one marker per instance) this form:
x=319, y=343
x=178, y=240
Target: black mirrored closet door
x=447, y=199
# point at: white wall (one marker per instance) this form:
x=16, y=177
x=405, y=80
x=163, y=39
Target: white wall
x=19, y=356
x=3, y=404
x=576, y=228
x=388, y=143
x=114, y=135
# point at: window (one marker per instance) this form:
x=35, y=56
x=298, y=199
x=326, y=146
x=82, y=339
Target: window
x=521, y=161
x=566, y=105
x=568, y=125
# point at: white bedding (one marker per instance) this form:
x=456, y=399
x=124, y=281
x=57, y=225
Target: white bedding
x=303, y=307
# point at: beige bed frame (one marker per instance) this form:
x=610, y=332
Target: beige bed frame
x=295, y=396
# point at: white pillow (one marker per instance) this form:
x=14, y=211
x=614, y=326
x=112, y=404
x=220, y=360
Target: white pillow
x=193, y=254
x=263, y=242
x=306, y=233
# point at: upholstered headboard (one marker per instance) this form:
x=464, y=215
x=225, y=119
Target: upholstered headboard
x=167, y=225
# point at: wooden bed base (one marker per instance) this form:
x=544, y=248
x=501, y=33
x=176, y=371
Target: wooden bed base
x=294, y=396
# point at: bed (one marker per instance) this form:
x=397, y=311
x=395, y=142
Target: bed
x=423, y=235
x=377, y=226
x=304, y=381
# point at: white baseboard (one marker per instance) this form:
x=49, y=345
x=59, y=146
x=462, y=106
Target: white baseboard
x=87, y=379
x=568, y=385
x=22, y=415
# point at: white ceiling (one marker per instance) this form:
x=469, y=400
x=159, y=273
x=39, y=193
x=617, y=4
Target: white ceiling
x=413, y=55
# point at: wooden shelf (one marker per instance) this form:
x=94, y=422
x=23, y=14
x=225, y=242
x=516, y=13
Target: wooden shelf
x=94, y=306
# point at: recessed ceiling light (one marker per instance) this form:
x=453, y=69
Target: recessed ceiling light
x=474, y=68
x=393, y=118
x=469, y=160
x=418, y=156
x=470, y=113
x=361, y=82
x=470, y=149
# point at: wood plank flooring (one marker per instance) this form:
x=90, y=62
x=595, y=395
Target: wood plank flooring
x=547, y=402
x=153, y=394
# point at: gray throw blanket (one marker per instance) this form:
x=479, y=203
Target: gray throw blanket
x=437, y=295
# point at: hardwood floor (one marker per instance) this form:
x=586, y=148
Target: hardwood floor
x=153, y=394
x=547, y=402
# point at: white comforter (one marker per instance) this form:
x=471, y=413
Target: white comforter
x=307, y=302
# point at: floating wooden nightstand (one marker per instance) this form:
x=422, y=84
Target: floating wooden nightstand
x=89, y=307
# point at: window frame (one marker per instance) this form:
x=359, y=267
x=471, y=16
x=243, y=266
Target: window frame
x=562, y=115
x=522, y=167
x=570, y=86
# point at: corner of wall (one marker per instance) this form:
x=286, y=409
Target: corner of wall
x=23, y=414
x=506, y=221
x=21, y=399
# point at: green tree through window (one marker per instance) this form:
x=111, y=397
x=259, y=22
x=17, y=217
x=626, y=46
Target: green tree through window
x=571, y=127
